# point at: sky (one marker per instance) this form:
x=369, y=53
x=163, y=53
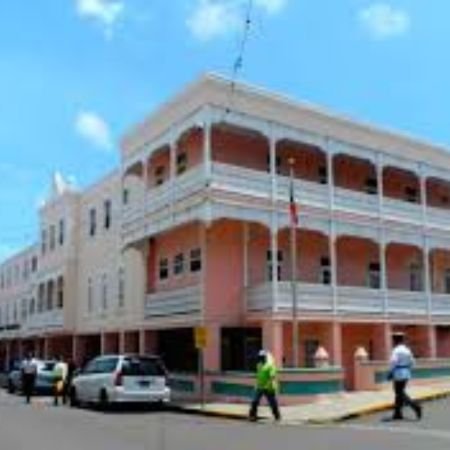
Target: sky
x=75, y=75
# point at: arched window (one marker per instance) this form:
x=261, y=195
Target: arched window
x=50, y=294
x=121, y=288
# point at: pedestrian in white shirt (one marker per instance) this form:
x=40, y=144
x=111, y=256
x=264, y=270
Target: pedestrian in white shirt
x=401, y=364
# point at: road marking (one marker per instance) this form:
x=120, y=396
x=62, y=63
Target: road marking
x=422, y=432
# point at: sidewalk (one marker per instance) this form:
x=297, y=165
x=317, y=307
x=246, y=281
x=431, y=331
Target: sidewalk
x=327, y=408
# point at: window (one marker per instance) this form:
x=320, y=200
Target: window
x=323, y=175
x=139, y=366
x=447, y=281
x=159, y=175
x=61, y=232
x=52, y=237
x=34, y=264
x=178, y=264
x=371, y=186
x=15, y=314
x=104, y=292
x=60, y=293
x=325, y=270
x=16, y=274
x=269, y=264
x=196, y=260
x=107, y=212
x=125, y=196
x=92, y=221
x=411, y=194
x=24, y=311
x=163, y=269
x=32, y=307
x=374, y=279
x=2, y=282
x=181, y=163
x=50, y=294
x=415, y=277
x=121, y=287
x=90, y=299
x=41, y=298
x=43, y=241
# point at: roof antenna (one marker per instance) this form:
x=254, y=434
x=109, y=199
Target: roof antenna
x=239, y=61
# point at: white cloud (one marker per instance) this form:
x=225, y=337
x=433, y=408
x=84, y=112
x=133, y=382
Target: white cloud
x=210, y=19
x=271, y=6
x=94, y=129
x=105, y=12
x=383, y=21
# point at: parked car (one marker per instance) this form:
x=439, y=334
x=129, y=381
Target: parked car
x=44, y=377
x=114, y=379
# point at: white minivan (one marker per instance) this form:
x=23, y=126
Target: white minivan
x=113, y=379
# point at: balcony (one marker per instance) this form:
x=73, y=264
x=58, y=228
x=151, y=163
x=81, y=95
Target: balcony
x=317, y=298
x=46, y=321
x=186, y=301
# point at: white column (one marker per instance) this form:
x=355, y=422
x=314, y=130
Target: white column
x=172, y=180
x=426, y=268
x=333, y=263
x=274, y=261
x=207, y=150
x=423, y=193
x=382, y=234
x=330, y=173
x=273, y=163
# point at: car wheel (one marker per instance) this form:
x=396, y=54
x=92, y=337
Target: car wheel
x=103, y=401
x=74, y=402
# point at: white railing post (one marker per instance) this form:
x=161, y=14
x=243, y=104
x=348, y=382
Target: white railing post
x=426, y=268
x=207, y=150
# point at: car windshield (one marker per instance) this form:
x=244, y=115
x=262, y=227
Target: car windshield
x=138, y=366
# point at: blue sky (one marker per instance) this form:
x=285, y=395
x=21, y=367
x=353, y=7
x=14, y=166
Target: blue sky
x=75, y=74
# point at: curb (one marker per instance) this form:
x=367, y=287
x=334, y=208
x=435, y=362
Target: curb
x=208, y=413
x=375, y=408
x=365, y=411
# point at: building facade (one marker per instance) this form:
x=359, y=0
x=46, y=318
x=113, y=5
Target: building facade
x=194, y=230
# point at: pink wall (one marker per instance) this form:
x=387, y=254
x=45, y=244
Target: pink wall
x=191, y=143
x=224, y=272
x=439, y=263
x=352, y=173
x=399, y=257
x=354, y=256
x=395, y=181
x=179, y=240
x=438, y=193
x=160, y=159
x=308, y=160
x=245, y=150
x=443, y=341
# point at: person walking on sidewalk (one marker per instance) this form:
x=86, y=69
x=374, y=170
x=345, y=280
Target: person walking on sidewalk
x=266, y=385
x=401, y=364
x=28, y=374
x=59, y=377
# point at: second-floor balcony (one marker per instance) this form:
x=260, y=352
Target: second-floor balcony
x=321, y=299
x=44, y=321
x=172, y=303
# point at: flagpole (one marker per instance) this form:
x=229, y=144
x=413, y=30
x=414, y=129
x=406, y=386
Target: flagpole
x=293, y=239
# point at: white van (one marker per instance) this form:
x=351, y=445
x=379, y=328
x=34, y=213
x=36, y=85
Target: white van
x=121, y=379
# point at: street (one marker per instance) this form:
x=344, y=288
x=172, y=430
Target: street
x=42, y=426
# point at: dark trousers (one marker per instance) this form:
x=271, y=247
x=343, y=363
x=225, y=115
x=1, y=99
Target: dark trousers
x=402, y=399
x=28, y=385
x=271, y=400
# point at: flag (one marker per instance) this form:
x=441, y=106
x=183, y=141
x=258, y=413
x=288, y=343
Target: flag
x=292, y=205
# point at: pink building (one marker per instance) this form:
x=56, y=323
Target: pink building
x=204, y=236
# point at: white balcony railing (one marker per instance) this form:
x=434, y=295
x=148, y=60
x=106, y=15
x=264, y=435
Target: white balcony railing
x=44, y=321
x=241, y=180
x=359, y=300
x=402, y=210
x=349, y=300
x=306, y=192
x=356, y=202
x=440, y=304
x=186, y=301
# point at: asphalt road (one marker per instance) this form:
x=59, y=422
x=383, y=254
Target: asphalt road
x=42, y=426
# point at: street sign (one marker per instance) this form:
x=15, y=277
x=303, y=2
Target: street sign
x=201, y=337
